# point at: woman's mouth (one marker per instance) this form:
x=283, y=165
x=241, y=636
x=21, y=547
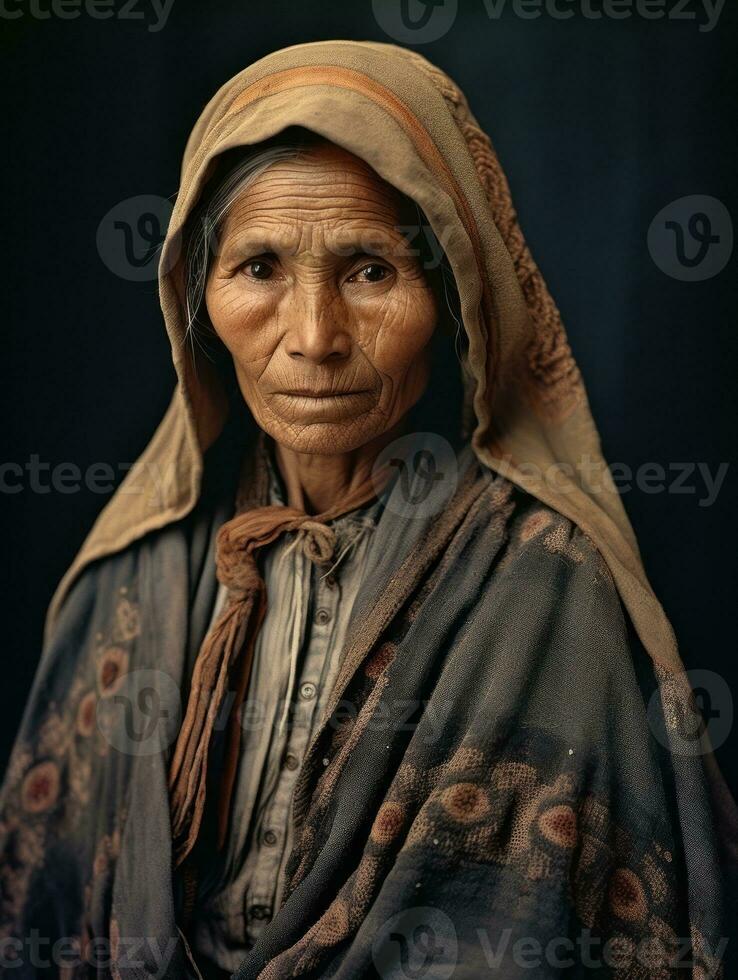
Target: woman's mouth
x=307, y=405
x=324, y=393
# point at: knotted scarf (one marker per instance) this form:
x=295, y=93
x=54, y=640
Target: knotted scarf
x=228, y=648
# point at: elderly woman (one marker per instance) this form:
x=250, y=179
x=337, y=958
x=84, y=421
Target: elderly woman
x=359, y=673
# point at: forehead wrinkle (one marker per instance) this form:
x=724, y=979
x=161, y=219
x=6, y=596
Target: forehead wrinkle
x=342, y=173
x=329, y=204
x=352, y=210
x=329, y=201
x=297, y=234
x=341, y=185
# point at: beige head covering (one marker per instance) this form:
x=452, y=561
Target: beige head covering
x=411, y=123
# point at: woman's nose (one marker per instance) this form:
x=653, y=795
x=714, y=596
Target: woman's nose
x=318, y=327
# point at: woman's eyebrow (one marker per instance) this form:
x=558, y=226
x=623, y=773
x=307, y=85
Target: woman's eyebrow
x=246, y=244
x=372, y=242
x=351, y=250
x=343, y=244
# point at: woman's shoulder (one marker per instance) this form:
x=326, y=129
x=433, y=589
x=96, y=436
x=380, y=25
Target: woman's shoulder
x=535, y=530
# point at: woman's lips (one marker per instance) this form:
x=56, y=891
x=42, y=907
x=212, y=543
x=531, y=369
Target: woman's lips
x=300, y=405
x=315, y=391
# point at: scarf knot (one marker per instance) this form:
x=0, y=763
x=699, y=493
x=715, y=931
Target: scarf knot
x=235, y=566
x=227, y=651
x=316, y=540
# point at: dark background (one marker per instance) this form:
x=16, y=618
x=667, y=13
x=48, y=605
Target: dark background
x=599, y=124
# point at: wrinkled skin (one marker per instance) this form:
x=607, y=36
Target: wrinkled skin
x=327, y=314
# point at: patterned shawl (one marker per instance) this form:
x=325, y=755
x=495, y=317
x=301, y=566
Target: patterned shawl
x=495, y=777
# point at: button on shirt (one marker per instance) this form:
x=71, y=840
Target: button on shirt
x=297, y=657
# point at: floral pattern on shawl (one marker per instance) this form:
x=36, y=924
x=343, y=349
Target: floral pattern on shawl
x=50, y=785
x=523, y=788
x=516, y=831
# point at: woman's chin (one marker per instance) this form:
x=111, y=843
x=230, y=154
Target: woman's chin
x=325, y=438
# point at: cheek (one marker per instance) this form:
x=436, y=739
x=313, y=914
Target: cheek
x=242, y=320
x=400, y=329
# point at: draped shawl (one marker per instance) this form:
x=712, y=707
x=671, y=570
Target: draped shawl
x=501, y=772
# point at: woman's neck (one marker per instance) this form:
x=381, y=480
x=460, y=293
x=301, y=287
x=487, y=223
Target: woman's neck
x=317, y=482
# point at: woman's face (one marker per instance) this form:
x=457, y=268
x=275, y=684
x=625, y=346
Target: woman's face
x=325, y=310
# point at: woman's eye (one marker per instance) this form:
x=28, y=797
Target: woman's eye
x=258, y=269
x=374, y=272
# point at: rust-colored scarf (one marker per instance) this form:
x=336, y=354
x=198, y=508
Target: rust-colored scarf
x=228, y=648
